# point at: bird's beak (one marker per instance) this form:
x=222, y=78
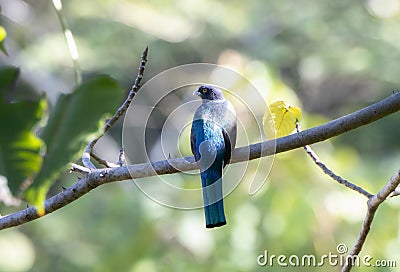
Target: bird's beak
x=197, y=93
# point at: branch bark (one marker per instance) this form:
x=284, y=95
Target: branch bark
x=96, y=177
x=135, y=88
x=330, y=173
x=373, y=204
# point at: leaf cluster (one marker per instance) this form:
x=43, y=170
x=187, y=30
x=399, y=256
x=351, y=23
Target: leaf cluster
x=37, y=141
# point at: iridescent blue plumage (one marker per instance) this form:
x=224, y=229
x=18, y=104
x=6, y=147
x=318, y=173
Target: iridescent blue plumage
x=213, y=137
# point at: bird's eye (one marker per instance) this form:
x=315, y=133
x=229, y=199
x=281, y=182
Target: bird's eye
x=204, y=90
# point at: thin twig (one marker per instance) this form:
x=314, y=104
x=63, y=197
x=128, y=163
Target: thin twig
x=73, y=51
x=135, y=87
x=373, y=204
x=78, y=168
x=330, y=173
x=102, y=161
x=121, y=157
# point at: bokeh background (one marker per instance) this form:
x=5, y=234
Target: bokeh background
x=327, y=57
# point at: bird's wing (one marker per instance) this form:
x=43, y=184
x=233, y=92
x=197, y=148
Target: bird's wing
x=229, y=132
x=195, y=126
x=228, y=147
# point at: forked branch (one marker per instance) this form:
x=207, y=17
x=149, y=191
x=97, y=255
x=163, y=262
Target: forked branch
x=373, y=204
x=135, y=87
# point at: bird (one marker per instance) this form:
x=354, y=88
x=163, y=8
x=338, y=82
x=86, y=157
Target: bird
x=212, y=139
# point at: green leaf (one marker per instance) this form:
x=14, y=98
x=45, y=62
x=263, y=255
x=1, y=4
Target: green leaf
x=8, y=76
x=74, y=121
x=20, y=149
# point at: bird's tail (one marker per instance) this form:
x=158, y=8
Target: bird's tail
x=213, y=199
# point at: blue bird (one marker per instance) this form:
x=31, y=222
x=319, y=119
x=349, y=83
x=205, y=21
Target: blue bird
x=213, y=137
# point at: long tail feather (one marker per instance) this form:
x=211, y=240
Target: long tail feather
x=213, y=198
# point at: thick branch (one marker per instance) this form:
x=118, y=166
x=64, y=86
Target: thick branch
x=373, y=204
x=97, y=177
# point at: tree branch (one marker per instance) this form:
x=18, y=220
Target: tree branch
x=373, y=204
x=102, y=161
x=96, y=177
x=135, y=87
x=330, y=173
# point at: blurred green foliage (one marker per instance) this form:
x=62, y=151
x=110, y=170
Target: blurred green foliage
x=74, y=121
x=337, y=56
x=20, y=148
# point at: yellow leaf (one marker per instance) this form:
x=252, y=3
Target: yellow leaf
x=40, y=210
x=281, y=119
x=3, y=33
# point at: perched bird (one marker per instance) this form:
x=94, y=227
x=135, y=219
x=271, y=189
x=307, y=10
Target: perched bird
x=213, y=137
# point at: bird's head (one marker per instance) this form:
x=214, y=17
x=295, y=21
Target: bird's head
x=207, y=92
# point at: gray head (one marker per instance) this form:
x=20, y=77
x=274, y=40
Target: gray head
x=207, y=92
